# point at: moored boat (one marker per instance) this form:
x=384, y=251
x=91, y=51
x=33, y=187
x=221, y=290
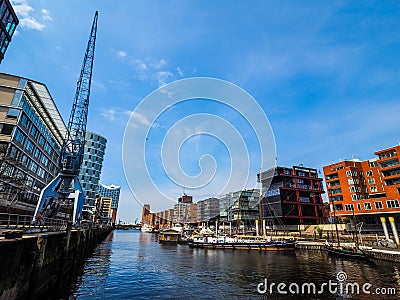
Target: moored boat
x=147, y=228
x=169, y=237
x=252, y=243
x=354, y=253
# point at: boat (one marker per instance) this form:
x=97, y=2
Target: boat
x=354, y=252
x=147, y=228
x=169, y=237
x=241, y=243
x=177, y=227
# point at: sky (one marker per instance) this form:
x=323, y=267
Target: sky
x=325, y=73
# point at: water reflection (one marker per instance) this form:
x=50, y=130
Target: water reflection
x=134, y=265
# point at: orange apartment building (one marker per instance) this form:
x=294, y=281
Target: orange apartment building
x=370, y=189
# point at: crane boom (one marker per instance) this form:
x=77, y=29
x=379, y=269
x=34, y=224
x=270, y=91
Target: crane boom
x=65, y=189
x=74, y=143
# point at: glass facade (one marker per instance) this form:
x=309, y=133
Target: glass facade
x=111, y=191
x=8, y=24
x=31, y=140
x=95, y=147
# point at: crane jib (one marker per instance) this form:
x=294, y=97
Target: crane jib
x=65, y=189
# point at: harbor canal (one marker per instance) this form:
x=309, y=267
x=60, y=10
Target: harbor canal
x=133, y=265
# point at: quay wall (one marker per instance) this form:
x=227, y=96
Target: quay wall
x=41, y=266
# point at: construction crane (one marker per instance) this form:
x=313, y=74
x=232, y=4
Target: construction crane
x=65, y=189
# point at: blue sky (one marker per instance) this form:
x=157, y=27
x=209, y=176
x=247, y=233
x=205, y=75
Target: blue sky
x=326, y=73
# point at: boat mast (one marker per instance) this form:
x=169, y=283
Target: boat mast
x=334, y=217
x=355, y=226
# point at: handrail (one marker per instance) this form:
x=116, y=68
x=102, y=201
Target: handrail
x=16, y=221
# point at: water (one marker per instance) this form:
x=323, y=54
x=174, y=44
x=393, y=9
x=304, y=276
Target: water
x=133, y=265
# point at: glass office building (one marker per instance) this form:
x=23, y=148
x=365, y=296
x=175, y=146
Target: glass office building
x=8, y=24
x=111, y=191
x=95, y=147
x=31, y=135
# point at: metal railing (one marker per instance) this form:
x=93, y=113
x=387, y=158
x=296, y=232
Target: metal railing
x=24, y=222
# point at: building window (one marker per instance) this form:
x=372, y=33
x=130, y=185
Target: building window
x=41, y=172
x=17, y=98
x=36, y=153
x=34, y=132
x=7, y=129
x=354, y=197
x=371, y=180
x=47, y=147
x=19, y=136
x=349, y=207
x=369, y=173
x=348, y=173
x=352, y=189
x=359, y=206
x=367, y=206
x=374, y=189
x=29, y=146
x=25, y=121
x=33, y=166
x=41, y=140
x=44, y=160
x=392, y=203
x=378, y=205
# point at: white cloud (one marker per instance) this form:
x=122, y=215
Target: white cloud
x=46, y=15
x=109, y=114
x=159, y=65
x=150, y=69
x=180, y=72
x=121, y=54
x=139, y=64
x=163, y=77
x=141, y=119
x=27, y=17
x=99, y=85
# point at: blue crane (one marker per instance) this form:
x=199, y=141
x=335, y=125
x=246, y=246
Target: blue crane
x=64, y=193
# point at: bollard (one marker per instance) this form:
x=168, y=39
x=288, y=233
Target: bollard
x=385, y=230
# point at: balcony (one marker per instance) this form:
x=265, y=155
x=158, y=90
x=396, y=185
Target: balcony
x=391, y=173
x=331, y=177
x=389, y=163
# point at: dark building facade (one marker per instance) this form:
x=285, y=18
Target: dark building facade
x=8, y=24
x=291, y=196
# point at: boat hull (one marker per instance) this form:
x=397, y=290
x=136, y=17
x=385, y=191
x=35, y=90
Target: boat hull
x=269, y=246
x=347, y=254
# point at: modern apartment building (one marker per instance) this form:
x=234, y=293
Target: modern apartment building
x=239, y=206
x=181, y=212
x=113, y=192
x=369, y=189
x=8, y=24
x=95, y=147
x=291, y=196
x=208, y=210
x=31, y=135
x=103, y=210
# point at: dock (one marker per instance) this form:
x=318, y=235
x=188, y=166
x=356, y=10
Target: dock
x=377, y=253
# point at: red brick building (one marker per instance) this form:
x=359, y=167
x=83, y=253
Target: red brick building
x=370, y=188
